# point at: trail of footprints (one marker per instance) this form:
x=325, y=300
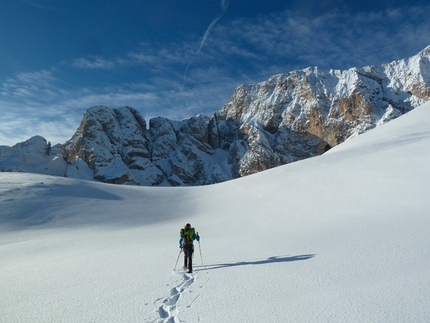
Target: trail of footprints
x=169, y=308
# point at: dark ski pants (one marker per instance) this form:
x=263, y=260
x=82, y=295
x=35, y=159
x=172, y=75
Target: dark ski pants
x=188, y=255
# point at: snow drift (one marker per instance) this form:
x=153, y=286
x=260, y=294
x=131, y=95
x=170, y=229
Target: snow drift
x=342, y=237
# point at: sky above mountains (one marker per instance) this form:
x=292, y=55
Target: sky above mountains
x=178, y=58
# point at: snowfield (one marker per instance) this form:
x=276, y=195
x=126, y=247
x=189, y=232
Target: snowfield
x=343, y=237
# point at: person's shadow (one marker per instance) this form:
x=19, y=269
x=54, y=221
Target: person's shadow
x=270, y=260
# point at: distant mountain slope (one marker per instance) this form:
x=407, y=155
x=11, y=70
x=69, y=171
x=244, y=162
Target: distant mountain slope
x=287, y=118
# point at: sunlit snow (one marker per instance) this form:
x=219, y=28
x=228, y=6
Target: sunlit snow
x=343, y=237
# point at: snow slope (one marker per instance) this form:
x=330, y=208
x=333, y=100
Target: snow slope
x=342, y=237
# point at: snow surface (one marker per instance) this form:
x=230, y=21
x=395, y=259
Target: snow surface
x=343, y=237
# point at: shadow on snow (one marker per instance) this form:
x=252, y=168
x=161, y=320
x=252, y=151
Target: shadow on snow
x=270, y=260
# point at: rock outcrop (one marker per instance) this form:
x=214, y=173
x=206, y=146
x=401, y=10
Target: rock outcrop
x=289, y=117
x=303, y=113
x=118, y=148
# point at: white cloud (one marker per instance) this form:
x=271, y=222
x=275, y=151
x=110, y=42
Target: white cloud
x=38, y=104
x=338, y=39
x=241, y=51
x=287, y=40
x=20, y=122
x=94, y=63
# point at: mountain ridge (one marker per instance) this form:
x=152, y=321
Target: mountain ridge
x=289, y=117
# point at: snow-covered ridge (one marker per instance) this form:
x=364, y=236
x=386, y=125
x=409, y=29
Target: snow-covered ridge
x=316, y=100
x=289, y=117
x=32, y=156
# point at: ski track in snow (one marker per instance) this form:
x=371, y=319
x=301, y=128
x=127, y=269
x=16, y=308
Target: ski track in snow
x=170, y=308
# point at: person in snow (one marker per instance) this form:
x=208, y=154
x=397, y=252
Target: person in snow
x=188, y=235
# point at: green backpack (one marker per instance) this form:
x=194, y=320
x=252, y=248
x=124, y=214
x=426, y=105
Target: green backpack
x=188, y=235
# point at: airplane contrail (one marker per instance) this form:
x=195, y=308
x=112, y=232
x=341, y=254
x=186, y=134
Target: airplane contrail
x=224, y=5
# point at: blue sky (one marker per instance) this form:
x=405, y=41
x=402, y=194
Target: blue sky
x=178, y=58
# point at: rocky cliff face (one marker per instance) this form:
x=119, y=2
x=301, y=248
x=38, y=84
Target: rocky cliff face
x=303, y=113
x=284, y=119
x=118, y=148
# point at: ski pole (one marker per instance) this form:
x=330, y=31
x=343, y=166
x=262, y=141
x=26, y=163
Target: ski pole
x=201, y=257
x=174, y=269
x=200, y=249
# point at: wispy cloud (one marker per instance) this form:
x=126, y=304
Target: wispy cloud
x=337, y=39
x=94, y=63
x=240, y=51
x=31, y=88
x=38, y=103
x=280, y=42
x=224, y=6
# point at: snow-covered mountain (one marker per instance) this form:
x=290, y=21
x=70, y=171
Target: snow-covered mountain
x=342, y=237
x=287, y=118
x=33, y=156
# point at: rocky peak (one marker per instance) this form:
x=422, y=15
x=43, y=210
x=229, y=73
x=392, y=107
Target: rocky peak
x=36, y=145
x=34, y=155
x=321, y=102
x=286, y=118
